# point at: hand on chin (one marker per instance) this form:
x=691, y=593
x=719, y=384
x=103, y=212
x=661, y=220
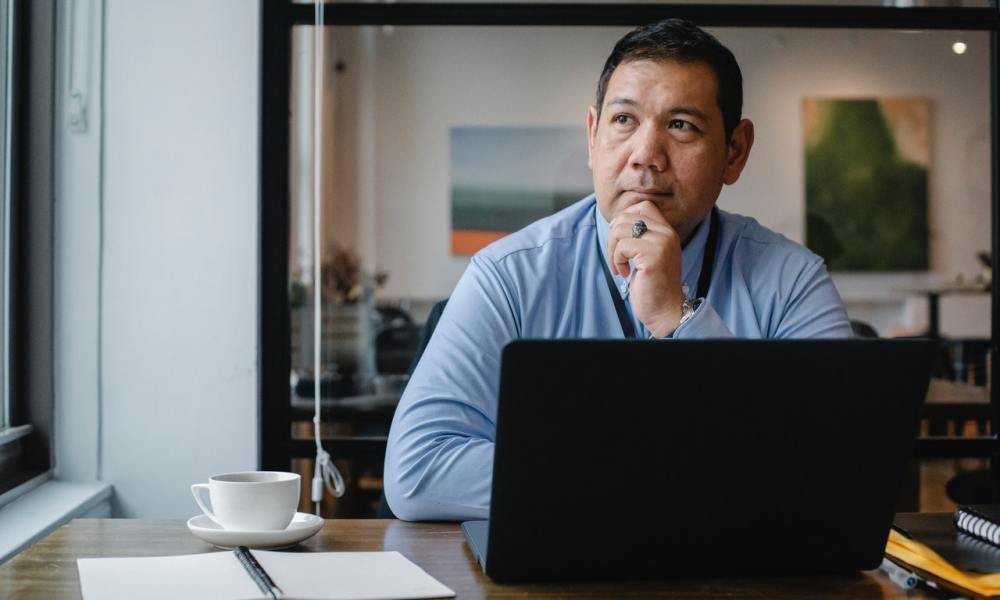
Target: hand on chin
x=655, y=291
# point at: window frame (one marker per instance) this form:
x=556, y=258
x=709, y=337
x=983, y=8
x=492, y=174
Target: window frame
x=26, y=445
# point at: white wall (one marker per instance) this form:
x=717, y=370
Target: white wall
x=426, y=80
x=176, y=345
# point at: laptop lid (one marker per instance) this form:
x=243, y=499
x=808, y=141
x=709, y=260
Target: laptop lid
x=619, y=459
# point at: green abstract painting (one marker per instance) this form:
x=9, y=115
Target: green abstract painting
x=866, y=182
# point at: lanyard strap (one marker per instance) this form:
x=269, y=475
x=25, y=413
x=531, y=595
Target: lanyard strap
x=627, y=328
x=708, y=260
x=704, y=278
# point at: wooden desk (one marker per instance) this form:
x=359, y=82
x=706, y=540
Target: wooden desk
x=48, y=571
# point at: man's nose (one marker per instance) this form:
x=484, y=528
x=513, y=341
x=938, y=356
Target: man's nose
x=649, y=150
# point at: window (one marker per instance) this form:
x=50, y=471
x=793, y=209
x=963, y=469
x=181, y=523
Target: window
x=27, y=71
x=11, y=431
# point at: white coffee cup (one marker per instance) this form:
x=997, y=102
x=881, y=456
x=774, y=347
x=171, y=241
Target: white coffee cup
x=251, y=500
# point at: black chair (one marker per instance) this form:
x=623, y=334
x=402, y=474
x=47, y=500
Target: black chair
x=966, y=363
x=383, y=511
x=967, y=359
x=862, y=329
x=395, y=347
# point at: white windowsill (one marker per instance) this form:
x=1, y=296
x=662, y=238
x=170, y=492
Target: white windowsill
x=47, y=507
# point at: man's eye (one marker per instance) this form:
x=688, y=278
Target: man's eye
x=621, y=119
x=681, y=124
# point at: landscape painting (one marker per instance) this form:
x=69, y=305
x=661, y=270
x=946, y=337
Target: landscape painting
x=504, y=178
x=867, y=163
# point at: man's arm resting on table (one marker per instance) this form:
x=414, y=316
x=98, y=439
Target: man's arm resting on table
x=439, y=458
x=440, y=468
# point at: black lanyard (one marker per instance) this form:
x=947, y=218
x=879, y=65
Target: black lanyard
x=704, y=279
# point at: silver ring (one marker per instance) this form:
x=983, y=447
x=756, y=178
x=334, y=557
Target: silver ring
x=638, y=228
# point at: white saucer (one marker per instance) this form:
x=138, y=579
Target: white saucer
x=302, y=527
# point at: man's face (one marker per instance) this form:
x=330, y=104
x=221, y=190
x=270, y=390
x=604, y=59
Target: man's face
x=661, y=138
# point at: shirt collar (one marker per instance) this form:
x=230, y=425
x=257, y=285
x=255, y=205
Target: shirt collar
x=691, y=255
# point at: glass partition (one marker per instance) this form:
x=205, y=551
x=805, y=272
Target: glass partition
x=872, y=148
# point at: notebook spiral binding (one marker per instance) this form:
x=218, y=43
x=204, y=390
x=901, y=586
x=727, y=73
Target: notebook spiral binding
x=967, y=543
x=977, y=526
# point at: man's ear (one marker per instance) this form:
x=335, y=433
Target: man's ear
x=591, y=134
x=738, y=151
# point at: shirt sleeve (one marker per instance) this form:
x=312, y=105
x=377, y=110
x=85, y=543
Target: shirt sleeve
x=705, y=323
x=814, y=308
x=439, y=457
x=805, y=304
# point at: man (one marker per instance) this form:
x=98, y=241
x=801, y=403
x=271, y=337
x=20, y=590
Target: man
x=646, y=256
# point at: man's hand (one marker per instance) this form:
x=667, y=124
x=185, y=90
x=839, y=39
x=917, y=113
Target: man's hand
x=655, y=291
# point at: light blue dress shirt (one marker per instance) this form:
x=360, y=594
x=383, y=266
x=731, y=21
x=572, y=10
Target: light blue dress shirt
x=546, y=281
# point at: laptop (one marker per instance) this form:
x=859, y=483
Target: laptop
x=652, y=459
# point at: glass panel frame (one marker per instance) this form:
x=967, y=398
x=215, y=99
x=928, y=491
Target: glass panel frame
x=6, y=106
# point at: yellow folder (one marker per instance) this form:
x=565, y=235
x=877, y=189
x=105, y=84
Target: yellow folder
x=931, y=566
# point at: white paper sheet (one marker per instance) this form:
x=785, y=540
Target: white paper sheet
x=211, y=576
x=220, y=576
x=349, y=576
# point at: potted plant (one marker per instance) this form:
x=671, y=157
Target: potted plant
x=347, y=345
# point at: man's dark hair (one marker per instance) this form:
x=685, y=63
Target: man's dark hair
x=681, y=40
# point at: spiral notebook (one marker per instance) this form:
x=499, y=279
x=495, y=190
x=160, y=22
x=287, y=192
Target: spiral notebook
x=981, y=521
x=221, y=576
